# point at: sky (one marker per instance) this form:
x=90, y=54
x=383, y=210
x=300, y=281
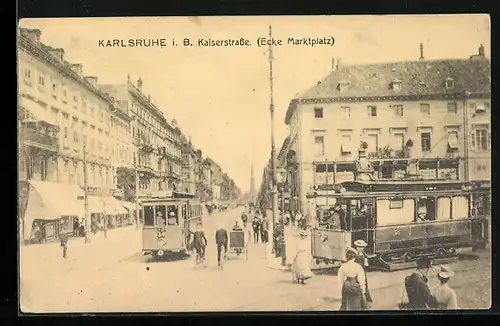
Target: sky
x=220, y=96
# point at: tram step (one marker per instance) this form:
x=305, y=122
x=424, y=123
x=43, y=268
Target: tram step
x=409, y=265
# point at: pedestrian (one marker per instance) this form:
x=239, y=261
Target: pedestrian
x=351, y=278
x=362, y=259
x=37, y=232
x=199, y=243
x=265, y=230
x=416, y=288
x=81, y=230
x=339, y=217
x=256, y=229
x=64, y=244
x=444, y=296
x=172, y=218
x=301, y=267
x=221, y=239
x=76, y=227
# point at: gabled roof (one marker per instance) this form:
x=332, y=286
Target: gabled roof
x=422, y=78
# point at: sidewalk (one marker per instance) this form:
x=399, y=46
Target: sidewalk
x=43, y=259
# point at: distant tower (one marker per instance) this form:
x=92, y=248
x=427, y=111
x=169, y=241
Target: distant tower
x=252, y=185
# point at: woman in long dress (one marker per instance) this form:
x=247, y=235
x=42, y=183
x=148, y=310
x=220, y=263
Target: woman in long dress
x=445, y=297
x=301, y=269
x=351, y=277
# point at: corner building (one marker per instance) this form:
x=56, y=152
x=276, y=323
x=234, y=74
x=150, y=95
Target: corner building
x=414, y=117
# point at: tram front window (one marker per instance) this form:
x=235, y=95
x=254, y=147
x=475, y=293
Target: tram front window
x=149, y=216
x=161, y=215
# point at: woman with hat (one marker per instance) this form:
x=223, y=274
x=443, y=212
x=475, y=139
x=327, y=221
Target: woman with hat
x=351, y=277
x=417, y=288
x=444, y=296
x=301, y=269
x=362, y=259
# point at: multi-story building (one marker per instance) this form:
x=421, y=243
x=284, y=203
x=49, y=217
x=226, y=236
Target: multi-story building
x=190, y=166
x=157, y=141
x=63, y=114
x=414, y=119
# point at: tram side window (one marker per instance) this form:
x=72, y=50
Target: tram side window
x=149, y=216
x=426, y=210
x=443, y=209
x=395, y=211
x=460, y=207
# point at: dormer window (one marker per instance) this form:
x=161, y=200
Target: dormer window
x=396, y=84
x=343, y=86
x=449, y=83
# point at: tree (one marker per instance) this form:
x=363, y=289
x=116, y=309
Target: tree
x=126, y=181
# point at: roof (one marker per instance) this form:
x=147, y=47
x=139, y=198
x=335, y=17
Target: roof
x=418, y=78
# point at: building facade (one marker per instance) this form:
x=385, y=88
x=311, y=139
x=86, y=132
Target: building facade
x=157, y=145
x=67, y=127
x=59, y=92
x=190, y=167
x=414, y=120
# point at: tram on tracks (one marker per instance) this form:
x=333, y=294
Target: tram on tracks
x=399, y=220
x=167, y=223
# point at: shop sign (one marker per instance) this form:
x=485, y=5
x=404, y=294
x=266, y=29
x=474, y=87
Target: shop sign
x=344, y=177
x=428, y=174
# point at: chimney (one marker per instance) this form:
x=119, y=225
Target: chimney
x=139, y=84
x=58, y=53
x=481, y=50
x=422, y=51
x=92, y=80
x=33, y=35
x=77, y=67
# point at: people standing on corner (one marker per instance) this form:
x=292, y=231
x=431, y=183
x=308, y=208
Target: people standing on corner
x=351, y=278
x=444, y=296
x=221, y=239
x=362, y=259
x=301, y=267
x=417, y=288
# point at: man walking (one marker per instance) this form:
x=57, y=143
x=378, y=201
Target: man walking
x=221, y=239
x=265, y=230
x=417, y=288
x=256, y=229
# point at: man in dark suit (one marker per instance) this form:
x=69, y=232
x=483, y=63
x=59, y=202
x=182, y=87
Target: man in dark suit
x=221, y=239
x=417, y=289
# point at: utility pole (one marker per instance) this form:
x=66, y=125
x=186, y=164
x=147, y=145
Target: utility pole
x=136, y=195
x=274, y=190
x=86, y=198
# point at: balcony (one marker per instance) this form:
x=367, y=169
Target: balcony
x=39, y=139
x=146, y=169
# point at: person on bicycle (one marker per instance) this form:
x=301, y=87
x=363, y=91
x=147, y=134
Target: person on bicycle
x=221, y=240
x=199, y=241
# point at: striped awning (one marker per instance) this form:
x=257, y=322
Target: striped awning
x=36, y=112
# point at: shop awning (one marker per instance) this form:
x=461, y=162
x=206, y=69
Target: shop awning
x=128, y=205
x=453, y=140
x=37, y=112
x=96, y=205
x=50, y=201
x=115, y=204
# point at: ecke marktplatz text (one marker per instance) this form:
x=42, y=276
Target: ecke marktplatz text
x=208, y=42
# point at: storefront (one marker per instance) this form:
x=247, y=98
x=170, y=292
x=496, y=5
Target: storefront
x=49, y=209
x=131, y=208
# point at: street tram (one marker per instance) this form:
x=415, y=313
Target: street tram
x=167, y=223
x=399, y=220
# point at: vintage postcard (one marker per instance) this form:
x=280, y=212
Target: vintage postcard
x=279, y=163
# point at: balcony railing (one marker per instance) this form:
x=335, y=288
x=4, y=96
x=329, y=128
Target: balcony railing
x=36, y=138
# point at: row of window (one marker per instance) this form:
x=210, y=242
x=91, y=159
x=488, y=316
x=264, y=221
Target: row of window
x=156, y=141
x=59, y=92
x=480, y=140
x=398, y=110
x=151, y=120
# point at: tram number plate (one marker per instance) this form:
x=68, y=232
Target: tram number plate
x=397, y=232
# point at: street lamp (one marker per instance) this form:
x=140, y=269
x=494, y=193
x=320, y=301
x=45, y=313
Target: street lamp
x=273, y=146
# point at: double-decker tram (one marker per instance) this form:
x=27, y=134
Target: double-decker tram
x=167, y=223
x=399, y=220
